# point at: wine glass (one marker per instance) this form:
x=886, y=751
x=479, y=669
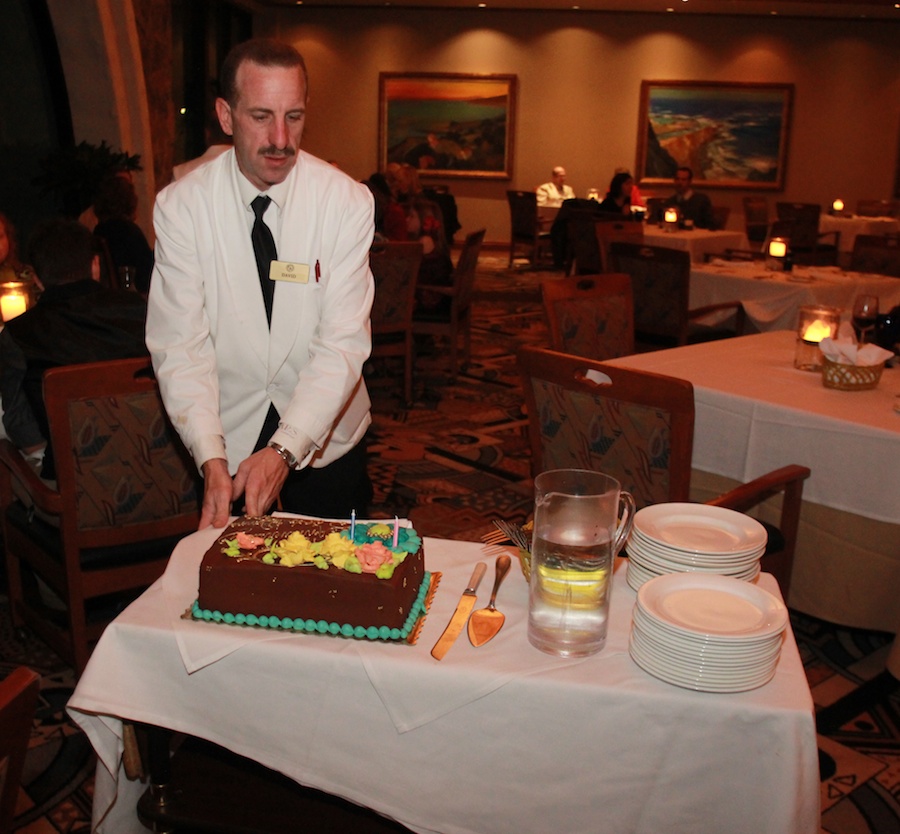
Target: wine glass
x=865, y=315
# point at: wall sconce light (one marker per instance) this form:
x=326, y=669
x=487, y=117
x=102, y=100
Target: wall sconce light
x=814, y=323
x=15, y=298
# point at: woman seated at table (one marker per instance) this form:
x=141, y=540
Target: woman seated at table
x=618, y=198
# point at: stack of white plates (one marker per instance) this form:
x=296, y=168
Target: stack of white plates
x=680, y=538
x=708, y=633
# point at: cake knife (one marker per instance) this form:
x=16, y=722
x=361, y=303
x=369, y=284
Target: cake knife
x=461, y=615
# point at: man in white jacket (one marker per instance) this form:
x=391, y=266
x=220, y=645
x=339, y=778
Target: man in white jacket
x=267, y=395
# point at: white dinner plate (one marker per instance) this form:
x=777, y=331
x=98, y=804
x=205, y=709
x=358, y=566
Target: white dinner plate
x=707, y=604
x=700, y=528
x=697, y=685
x=638, y=541
x=662, y=564
x=688, y=667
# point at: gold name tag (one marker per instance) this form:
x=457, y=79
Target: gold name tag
x=287, y=271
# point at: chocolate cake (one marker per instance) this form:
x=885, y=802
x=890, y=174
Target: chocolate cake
x=310, y=575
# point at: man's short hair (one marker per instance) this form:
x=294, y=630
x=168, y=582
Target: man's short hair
x=61, y=251
x=262, y=51
x=690, y=173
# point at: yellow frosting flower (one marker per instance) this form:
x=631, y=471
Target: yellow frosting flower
x=336, y=548
x=296, y=549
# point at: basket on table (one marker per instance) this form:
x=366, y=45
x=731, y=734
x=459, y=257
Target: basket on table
x=850, y=377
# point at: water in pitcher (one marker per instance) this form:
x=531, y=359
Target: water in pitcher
x=569, y=602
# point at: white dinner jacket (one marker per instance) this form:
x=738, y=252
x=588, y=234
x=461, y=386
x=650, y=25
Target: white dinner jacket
x=218, y=363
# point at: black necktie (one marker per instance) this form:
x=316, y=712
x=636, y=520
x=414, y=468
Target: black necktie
x=264, y=249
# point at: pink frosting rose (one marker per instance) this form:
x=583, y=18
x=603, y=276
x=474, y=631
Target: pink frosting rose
x=246, y=541
x=373, y=556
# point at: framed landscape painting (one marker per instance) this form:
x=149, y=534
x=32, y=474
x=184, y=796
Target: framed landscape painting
x=448, y=124
x=730, y=135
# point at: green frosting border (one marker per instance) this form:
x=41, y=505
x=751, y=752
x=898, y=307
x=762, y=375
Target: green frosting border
x=301, y=625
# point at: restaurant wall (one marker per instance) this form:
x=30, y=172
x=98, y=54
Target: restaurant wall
x=579, y=77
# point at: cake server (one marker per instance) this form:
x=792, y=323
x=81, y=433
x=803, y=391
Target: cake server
x=486, y=622
x=461, y=615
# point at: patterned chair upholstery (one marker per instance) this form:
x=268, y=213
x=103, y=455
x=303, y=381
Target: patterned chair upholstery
x=638, y=427
x=590, y=315
x=878, y=254
x=127, y=491
x=660, y=282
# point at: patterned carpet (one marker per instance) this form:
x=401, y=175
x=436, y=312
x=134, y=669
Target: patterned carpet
x=452, y=462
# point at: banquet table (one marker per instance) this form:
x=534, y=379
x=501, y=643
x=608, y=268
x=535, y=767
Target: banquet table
x=754, y=413
x=772, y=299
x=502, y=738
x=853, y=225
x=699, y=242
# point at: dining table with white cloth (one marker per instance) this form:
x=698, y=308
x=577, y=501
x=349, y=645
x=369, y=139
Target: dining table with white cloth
x=772, y=299
x=699, y=242
x=501, y=739
x=852, y=225
x=755, y=412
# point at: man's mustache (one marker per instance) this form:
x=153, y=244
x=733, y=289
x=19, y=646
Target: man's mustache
x=271, y=150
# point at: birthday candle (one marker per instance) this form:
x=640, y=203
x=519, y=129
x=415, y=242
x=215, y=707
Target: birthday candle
x=352, y=524
x=396, y=531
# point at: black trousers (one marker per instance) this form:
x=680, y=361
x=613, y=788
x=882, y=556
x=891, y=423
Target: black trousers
x=330, y=491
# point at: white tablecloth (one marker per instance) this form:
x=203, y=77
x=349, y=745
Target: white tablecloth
x=850, y=227
x=755, y=412
x=773, y=299
x=699, y=242
x=496, y=739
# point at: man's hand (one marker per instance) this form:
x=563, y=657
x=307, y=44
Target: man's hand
x=260, y=478
x=217, y=494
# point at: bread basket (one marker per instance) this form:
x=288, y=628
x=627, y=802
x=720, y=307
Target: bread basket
x=850, y=377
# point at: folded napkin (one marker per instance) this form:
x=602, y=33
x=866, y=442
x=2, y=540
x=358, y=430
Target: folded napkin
x=846, y=351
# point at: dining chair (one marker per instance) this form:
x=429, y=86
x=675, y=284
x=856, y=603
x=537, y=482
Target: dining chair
x=807, y=246
x=660, y=283
x=582, y=249
x=878, y=208
x=526, y=227
x=616, y=231
x=126, y=492
x=638, y=427
x=455, y=319
x=18, y=700
x=590, y=315
x=395, y=268
x=879, y=254
x=720, y=216
x=756, y=219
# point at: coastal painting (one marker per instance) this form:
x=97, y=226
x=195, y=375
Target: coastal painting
x=448, y=124
x=730, y=135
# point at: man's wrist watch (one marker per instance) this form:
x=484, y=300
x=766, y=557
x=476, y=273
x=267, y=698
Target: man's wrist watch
x=289, y=458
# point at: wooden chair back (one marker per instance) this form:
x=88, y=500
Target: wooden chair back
x=637, y=427
x=455, y=321
x=660, y=283
x=395, y=268
x=807, y=244
x=526, y=226
x=720, y=216
x=127, y=490
x=756, y=218
x=878, y=254
x=18, y=699
x=616, y=231
x=590, y=315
